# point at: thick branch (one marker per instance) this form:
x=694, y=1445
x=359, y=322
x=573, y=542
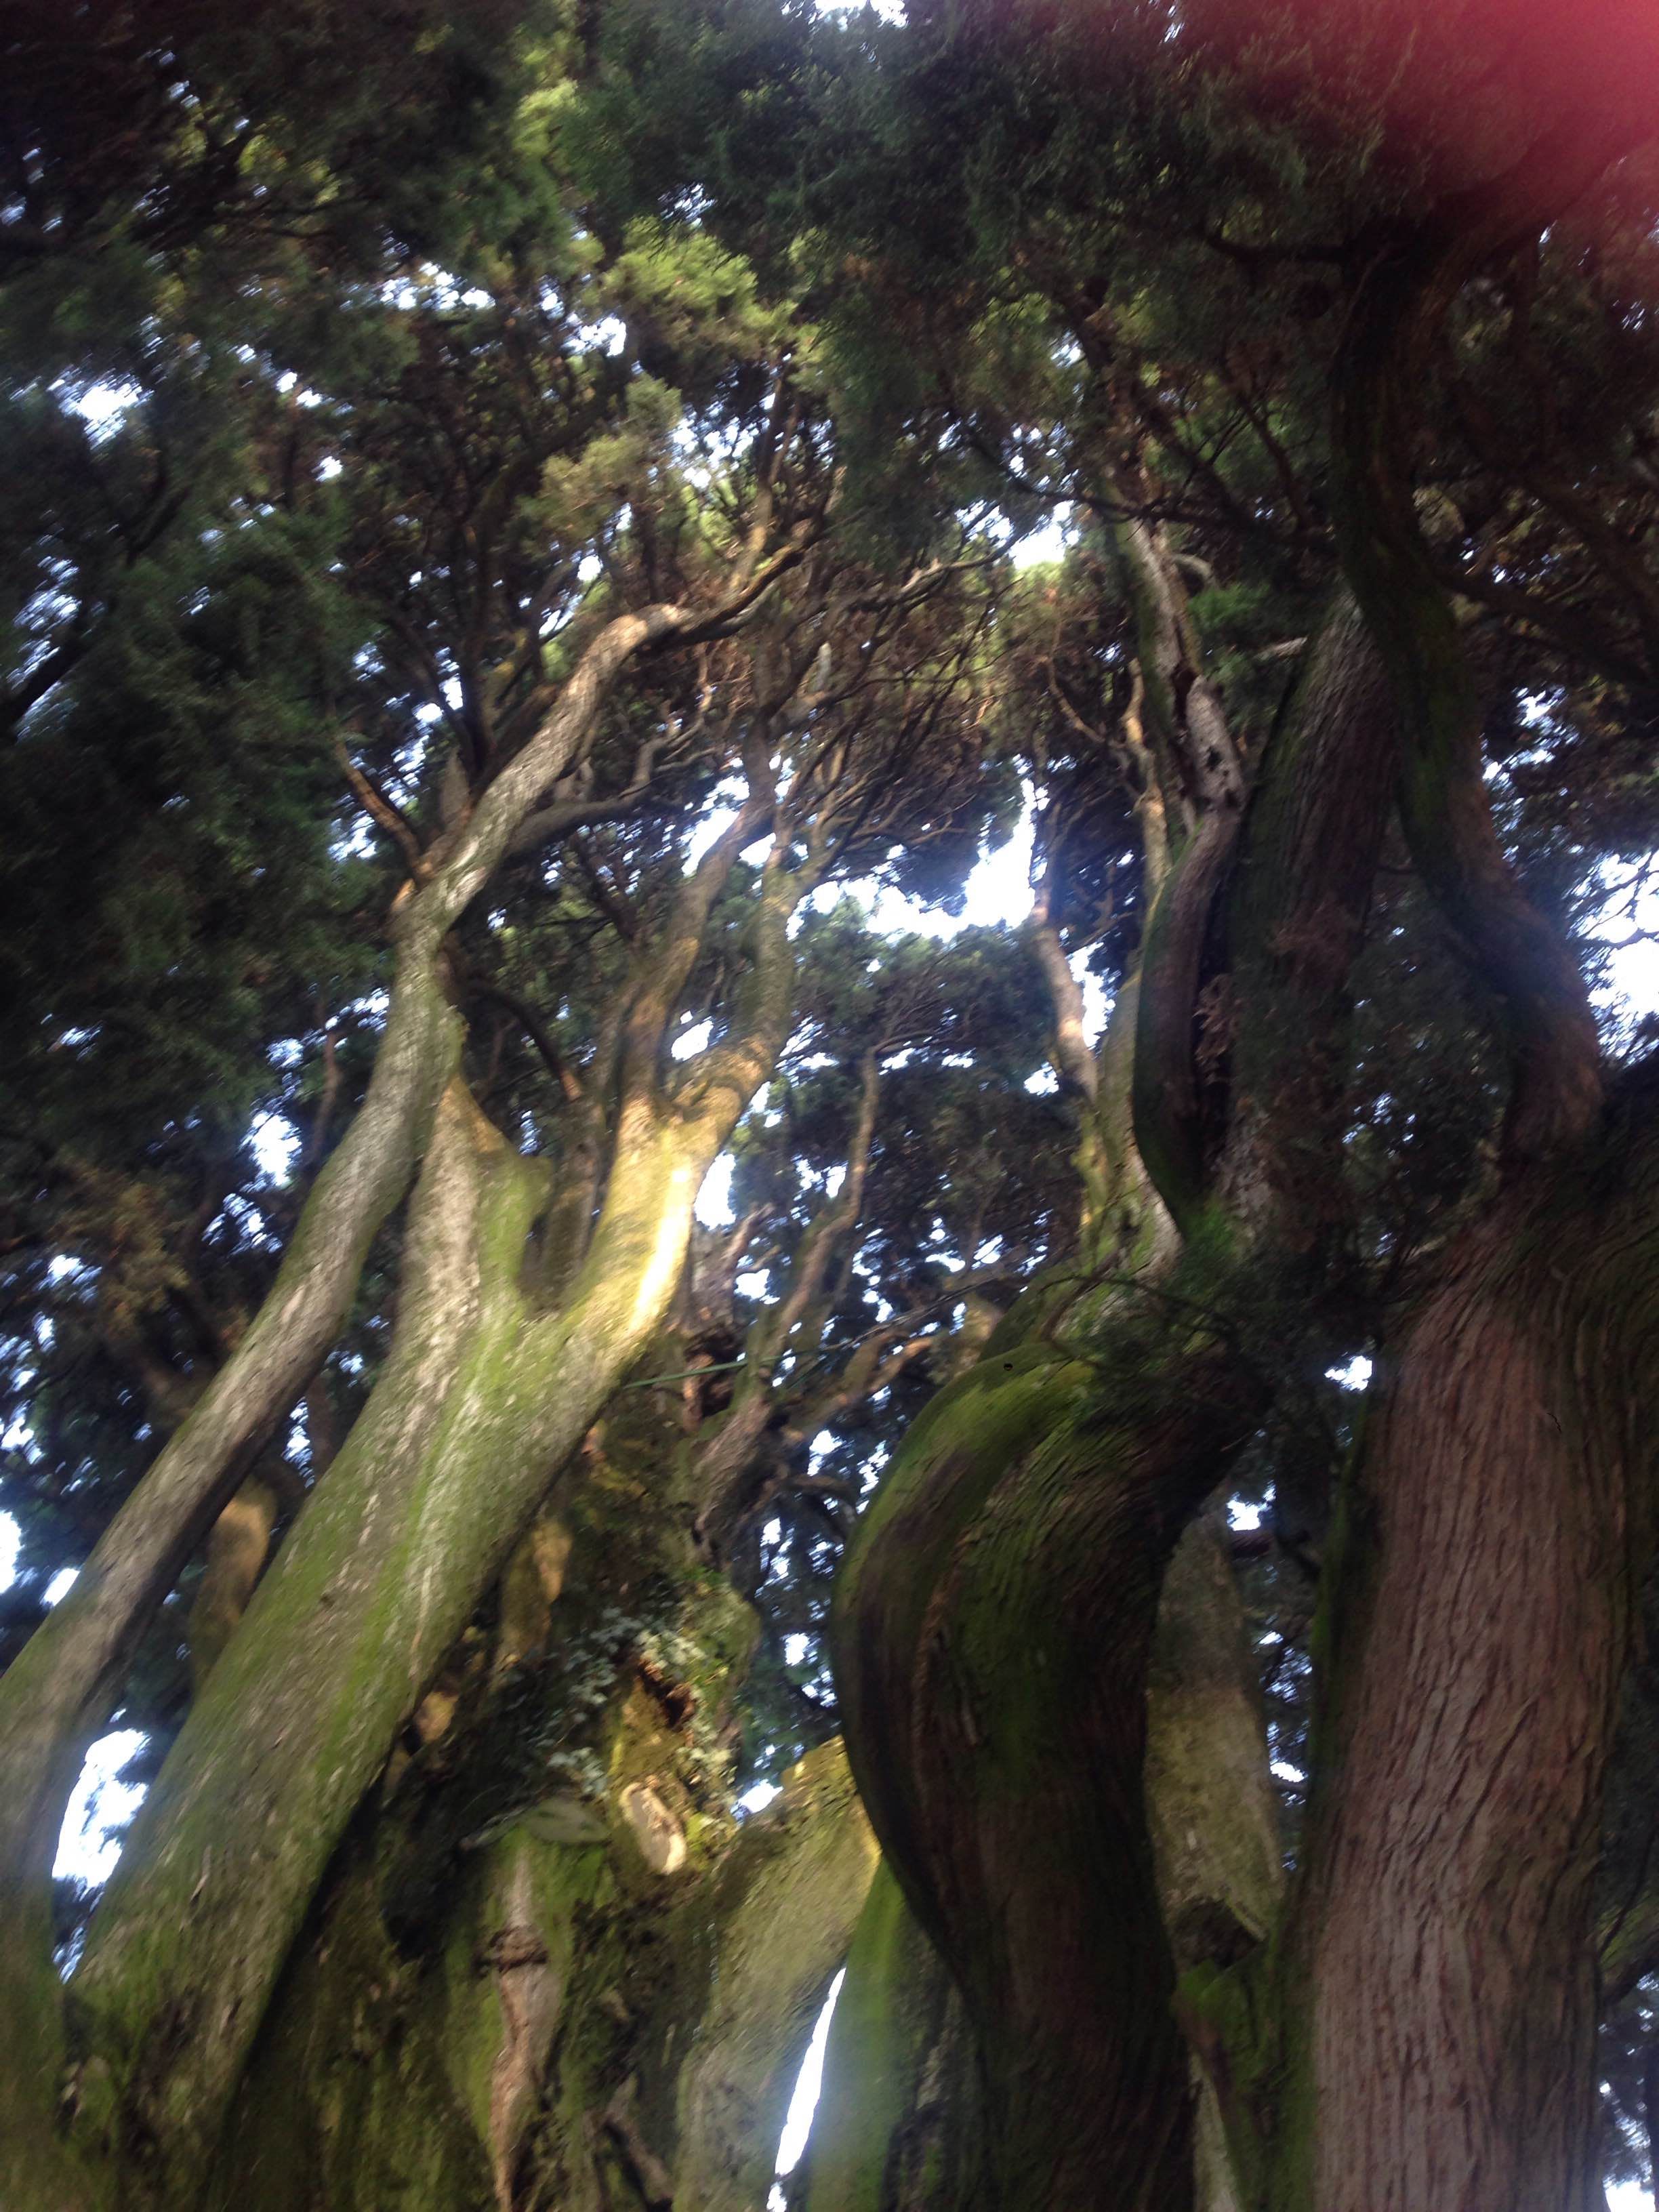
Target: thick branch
x=1556, y=1078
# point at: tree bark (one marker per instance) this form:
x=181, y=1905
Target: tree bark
x=994, y=1622
x=1217, y=1841
x=572, y=2024
x=58, y=1693
x=991, y=1638
x=544, y=1933
x=897, y=2128
x=1494, y=1540
x=480, y=1400
x=899, y=2122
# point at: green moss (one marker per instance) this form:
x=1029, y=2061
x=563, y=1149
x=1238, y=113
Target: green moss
x=887, y=2019
x=322, y=2122
x=1233, y=2023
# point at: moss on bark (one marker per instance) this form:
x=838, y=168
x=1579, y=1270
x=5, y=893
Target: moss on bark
x=896, y=2126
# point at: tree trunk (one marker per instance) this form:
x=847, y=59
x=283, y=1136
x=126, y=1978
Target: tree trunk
x=479, y=1399
x=568, y=1975
x=1436, y=1987
x=58, y=1693
x=897, y=2128
x=899, y=2123
x=1494, y=1542
x=574, y=2024
x=994, y=1623
x=992, y=1636
x=1215, y=1824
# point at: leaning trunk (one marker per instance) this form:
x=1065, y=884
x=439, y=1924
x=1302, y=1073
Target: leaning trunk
x=993, y=1636
x=995, y=1620
x=546, y=1963
x=480, y=1398
x=899, y=2125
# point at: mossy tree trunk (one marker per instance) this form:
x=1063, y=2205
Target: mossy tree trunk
x=547, y=1965
x=995, y=1625
x=900, y=2123
x=1413, y=2023
x=532, y=1286
x=501, y=1357
x=485, y=1392
x=899, y=2126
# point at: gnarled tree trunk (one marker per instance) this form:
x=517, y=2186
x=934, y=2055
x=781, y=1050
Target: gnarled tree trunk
x=996, y=1622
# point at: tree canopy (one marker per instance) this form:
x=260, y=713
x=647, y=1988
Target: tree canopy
x=563, y=1257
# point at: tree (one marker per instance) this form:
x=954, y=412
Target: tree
x=499, y=429
x=456, y=555
x=1350, y=2042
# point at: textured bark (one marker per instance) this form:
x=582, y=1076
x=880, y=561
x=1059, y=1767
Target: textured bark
x=995, y=1620
x=485, y=1393
x=898, y=2122
x=991, y=1638
x=1215, y=1818
x=1439, y=1991
x=1498, y=1525
x=1518, y=953
x=572, y=2024
x=759, y=1952
x=58, y=1693
x=1297, y=907
x=583, y=1985
x=479, y=1402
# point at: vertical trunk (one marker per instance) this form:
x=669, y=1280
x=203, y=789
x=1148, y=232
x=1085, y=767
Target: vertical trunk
x=1215, y=1826
x=1448, y=2049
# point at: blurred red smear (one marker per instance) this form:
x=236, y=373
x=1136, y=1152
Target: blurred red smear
x=1449, y=92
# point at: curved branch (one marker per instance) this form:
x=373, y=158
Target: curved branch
x=1556, y=1076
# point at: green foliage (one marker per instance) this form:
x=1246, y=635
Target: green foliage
x=360, y=362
